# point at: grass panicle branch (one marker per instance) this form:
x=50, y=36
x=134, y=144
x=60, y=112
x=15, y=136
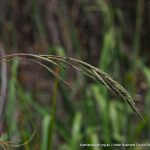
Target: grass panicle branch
x=9, y=144
x=85, y=68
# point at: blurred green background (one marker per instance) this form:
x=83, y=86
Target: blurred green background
x=113, y=35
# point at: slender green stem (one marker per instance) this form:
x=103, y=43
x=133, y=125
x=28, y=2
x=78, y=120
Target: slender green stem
x=53, y=113
x=138, y=25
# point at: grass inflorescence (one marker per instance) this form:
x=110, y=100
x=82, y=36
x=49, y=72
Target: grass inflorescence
x=85, y=68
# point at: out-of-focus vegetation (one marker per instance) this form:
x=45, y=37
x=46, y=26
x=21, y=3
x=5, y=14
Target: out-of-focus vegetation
x=111, y=35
